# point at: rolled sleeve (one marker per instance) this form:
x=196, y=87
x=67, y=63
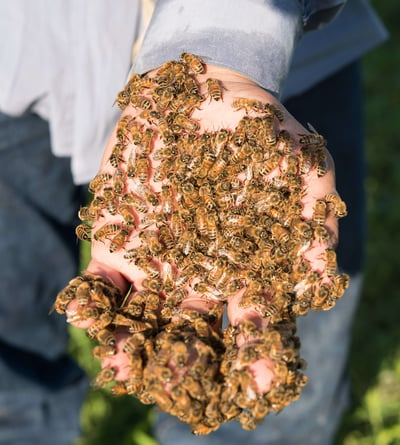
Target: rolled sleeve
x=253, y=37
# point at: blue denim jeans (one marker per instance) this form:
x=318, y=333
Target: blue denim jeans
x=334, y=108
x=41, y=388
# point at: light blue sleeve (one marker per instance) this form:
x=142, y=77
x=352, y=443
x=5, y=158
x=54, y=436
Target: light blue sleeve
x=253, y=37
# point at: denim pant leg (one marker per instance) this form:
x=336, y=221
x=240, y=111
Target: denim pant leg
x=41, y=388
x=325, y=336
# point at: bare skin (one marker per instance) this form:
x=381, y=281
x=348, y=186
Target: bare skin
x=212, y=116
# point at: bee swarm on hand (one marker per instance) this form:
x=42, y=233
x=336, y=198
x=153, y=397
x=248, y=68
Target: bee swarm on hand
x=211, y=219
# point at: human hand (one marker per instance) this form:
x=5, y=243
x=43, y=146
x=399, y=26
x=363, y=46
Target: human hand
x=301, y=176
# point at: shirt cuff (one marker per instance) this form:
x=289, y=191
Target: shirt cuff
x=255, y=38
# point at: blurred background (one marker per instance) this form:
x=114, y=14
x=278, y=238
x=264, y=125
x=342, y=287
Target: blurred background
x=374, y=416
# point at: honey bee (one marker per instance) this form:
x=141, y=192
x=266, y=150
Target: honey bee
x=153, y=284
x=150, y=115
x=177, y=226
x=110, y=200
x=167, y=199
x=163, y=170
x=239, y=135
x=321, y=298
x=340, y=284
x=312, y=140
x=168, y=278
x=186, y=274
x=146, y=193
x=83, y=232
x=240, y=103
x=302, y=228
x=163, y=97
x=319, y=214
x=166, y=237
x=143, y=102
x=331, y=265
x=321, y=234
x=148, y=266
x=123, y=99
x=118, y=182
x=186, y=123
x=137, y=203
x=142, y=168
x=129, y=218
x=103, y=351
x=131, y=166
x=105, y=231
x=136, y=132
x=322, y=162
x=98, y=181
x=280, y=233
x=292, y=165
x=104, y=320
x=86, y=213
x=134, y=343
x=306, y=161
x=118, y=241
x=150, y=237
x=335, y=203
x=146, y=142
x=105, y=376
x=193, y=62
x=214, y=89
x=119, y=390
x=270, y=164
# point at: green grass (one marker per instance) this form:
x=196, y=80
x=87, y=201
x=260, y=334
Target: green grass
x=374, y=416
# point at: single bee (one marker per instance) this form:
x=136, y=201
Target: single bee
x=103, y=351
x=239, y=135
x=312, y=140
x=83, y=232
x=322, y=162
x=151, y=239
x=271, y=163
x=321, y=234
x=151, y=116
x=118, y=241
x=280, y=233
x=137, y=203
x=136, y=132
x=193, y=62
x=219, y=166
x=129, y=218
x=186, y=123
x=167, y=199
x=166, y=237
x=118, y=182
x=142, y=168
x=131, y=166
x=143, y=102
x=319, y=215
x=98, y=181
x=214, y=89
x=331, y=264
x=154, y=285
x=105, y=376
x=336, y=204
x=148, y=266
x=306, y=161
x=146, y=193
x=101, y=323
x=105, y=231
x=110, y=201
x=242, y=103
x=146, y=142
x=302, y=228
